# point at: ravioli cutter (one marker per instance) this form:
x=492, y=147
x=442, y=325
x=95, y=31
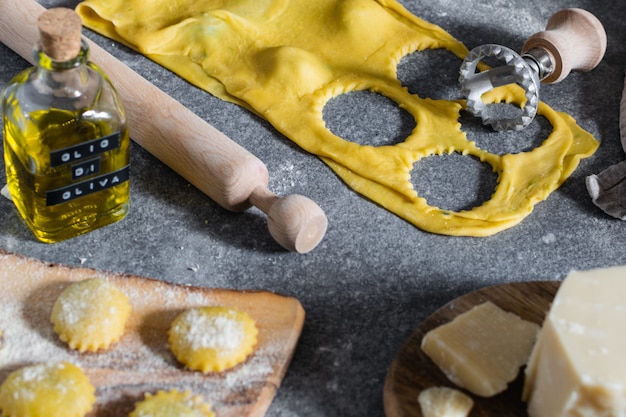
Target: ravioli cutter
x=574, y=40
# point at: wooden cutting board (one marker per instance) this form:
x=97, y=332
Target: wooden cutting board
x=412, y=371
x=141, y=362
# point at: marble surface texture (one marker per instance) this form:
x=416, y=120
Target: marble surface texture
x=374, y=277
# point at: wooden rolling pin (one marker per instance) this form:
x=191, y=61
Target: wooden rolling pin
x=207, y=158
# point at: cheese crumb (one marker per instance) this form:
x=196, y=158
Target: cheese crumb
x=444, y=402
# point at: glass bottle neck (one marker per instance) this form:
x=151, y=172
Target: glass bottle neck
x=44, y=62
x=69, y=84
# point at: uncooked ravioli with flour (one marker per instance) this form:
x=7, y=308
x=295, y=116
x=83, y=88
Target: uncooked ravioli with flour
x=212, y=339
x=285, y=59
x=55, y=389
x=172, y=404
x=91, y=315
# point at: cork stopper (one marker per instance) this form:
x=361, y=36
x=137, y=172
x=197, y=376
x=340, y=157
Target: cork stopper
x=60, y=33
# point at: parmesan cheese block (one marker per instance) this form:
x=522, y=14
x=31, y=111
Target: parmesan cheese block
x=483, y=349
x=577, y=367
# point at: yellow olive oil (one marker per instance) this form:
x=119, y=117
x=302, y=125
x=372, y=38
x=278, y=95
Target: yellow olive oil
x=60, y=188
x=66, y=144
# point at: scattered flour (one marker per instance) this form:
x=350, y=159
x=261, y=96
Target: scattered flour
x=23, y=344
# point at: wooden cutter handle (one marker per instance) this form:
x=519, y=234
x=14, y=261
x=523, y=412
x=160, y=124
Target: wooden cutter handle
x=574, y=38
x=207, y=158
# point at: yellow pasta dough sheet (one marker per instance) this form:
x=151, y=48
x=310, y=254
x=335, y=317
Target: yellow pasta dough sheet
x=285, y=59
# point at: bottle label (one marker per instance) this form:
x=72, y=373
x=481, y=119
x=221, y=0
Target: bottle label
x=85, y=169
x=85, y=150
x=90, y=186
x=85, y=161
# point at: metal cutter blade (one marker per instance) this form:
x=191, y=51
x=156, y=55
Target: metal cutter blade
x=515, y=70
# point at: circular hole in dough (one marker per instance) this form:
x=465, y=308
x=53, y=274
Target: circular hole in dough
x=212, y=339
x=58, y=389
x=453, y=181
x=368, y=118
x=431, y=73
x=91, y=315
x=172, y=404
x=502, y=143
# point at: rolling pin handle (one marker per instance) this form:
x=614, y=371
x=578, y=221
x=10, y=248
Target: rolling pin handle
x=297, y=223
x=574, y=39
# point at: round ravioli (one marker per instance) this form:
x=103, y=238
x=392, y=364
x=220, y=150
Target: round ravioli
x=58, y=389
x=212, y=339
x=90, y=315
x=172, y=404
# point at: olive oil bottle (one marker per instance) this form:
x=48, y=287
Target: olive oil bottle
x=66, y=143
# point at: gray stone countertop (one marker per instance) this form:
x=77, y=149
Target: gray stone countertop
x=374, y=277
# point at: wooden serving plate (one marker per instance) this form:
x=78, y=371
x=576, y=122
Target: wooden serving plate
x=141, y=362
x=412, y=371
